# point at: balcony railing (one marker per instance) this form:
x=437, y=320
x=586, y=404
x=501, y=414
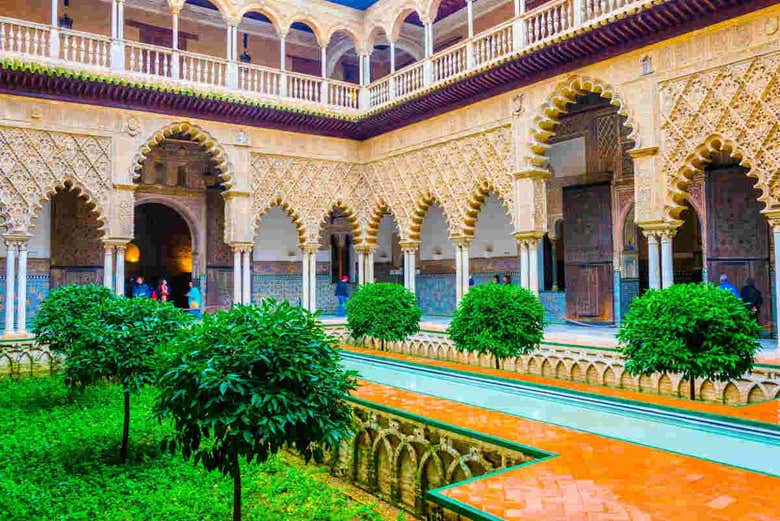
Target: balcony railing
x=533, y=28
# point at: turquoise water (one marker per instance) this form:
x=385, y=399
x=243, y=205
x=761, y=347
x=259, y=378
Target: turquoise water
x=713, y=439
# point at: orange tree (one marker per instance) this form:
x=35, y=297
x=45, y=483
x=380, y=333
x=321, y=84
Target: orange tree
x=698, y=330
x=247, y=382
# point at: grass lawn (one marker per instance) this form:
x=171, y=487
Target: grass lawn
x=58, y=462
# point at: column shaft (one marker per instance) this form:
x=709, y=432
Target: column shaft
x=466, y=268
x=458, y=273
x=776, y=233
x=108, y=266
x=282, y=53
x=653, y=262
x=412, y=272
x=524, y=267
x=554, y=264
x=361, y=277
x=10, y=283
x=236, y=276
x=533, y=266
x=120, y=271
x=246, y=277
x=392, y=57
x=667, y=260
x=313, y=281
x=21, y=305
x=370, y=267
x=305, y=280
x=470, y=14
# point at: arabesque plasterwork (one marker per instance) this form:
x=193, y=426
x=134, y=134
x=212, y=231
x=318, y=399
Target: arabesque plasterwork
x=35, y=163
x=733, y=109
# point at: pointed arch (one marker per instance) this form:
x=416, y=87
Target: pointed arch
x=421, y=206
x=475, y=202
x=698, y=160
x=547, y=117
x=195, y=133
x=291, y=213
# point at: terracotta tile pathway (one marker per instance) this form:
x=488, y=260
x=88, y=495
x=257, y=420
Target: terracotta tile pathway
x=593, y=478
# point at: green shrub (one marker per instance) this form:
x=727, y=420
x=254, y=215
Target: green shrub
x=383, y=310
x=117, y=341
x=698, y=330
x=498, y=319
x=247, y=382
x=61, y=313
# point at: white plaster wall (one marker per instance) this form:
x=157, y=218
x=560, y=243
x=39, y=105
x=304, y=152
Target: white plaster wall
x=493, y=232
x=434, y=236
x=384, y=240
x=276, y=237
x=39, y=246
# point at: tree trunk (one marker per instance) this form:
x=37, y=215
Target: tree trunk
x=498, y=363
x=693, y=388
x=125, y=429
x=383, y=344
x=237, y=493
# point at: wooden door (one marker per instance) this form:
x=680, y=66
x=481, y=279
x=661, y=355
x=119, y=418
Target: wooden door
x=587, y=236
x=737, y=233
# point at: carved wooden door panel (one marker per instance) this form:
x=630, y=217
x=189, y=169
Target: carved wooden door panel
x=737, y=233
x=587, y=238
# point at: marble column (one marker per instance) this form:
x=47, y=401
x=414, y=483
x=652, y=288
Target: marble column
x=470, y=16
x=776, y=236
x=305, y=280
x=361, y=276
x=667, y=259
x=458, y=273
x=10, y=283
x=108, y=266
x=21, y=298
x=533, y=265
x=119, y=278
x=313, y=280
x=246, y=276
x=653, y=261
x=524, y=264
x=462, y=268
x=236, y=275
x=370, y=267
x=554, y=263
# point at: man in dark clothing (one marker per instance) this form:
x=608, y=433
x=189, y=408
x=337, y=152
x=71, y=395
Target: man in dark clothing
x=140, y=288
x=507, y=279
x=342, y=293
x=751, y=296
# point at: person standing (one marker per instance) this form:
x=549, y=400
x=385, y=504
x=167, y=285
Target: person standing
x=162, y=292
x=752, y=298
x=193, y=299
x=728, y=286
x=342, y=293
x=496, y=279
x=507, y=279
x=140, y=288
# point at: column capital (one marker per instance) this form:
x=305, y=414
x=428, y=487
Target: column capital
x=638, y=153
x=532, y=173
x=16, y=238
x=660, y=228
x=116, y=242
x=365, y=248
x=462, y=240
x=241, y=247
x=310, y=247
x=773, y=216
x=410, y=246
x=529, y=237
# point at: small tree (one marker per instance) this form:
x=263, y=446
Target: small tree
x=497, y=319
x=250, y=381
x=698, y=330
x=385, y=311
x=58, y=319
x=118, y=341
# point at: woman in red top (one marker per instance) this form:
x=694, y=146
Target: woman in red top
x=161, y=292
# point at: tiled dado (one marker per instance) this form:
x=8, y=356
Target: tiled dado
x=589, y=365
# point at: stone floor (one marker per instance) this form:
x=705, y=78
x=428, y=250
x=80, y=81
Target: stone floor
x=593, y=477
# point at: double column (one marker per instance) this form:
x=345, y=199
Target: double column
x=461, y=267
x=242, y=273
x=660, y=266
x=114, y=265
x=365, y=256
x=16, y=285
x=409, y=249
x=528, y=244
x=309, y=276
x=118, y=34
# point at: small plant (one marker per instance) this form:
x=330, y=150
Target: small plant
x=109, y=338
x=497, y=319
x=58, y=320
x=247, y=382
x=383, y=310
x=697, y=330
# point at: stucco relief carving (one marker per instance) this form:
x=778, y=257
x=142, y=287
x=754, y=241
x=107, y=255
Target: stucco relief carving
x=734, y=109
x=34, y=163
x=309, y=189
x=457, y=174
